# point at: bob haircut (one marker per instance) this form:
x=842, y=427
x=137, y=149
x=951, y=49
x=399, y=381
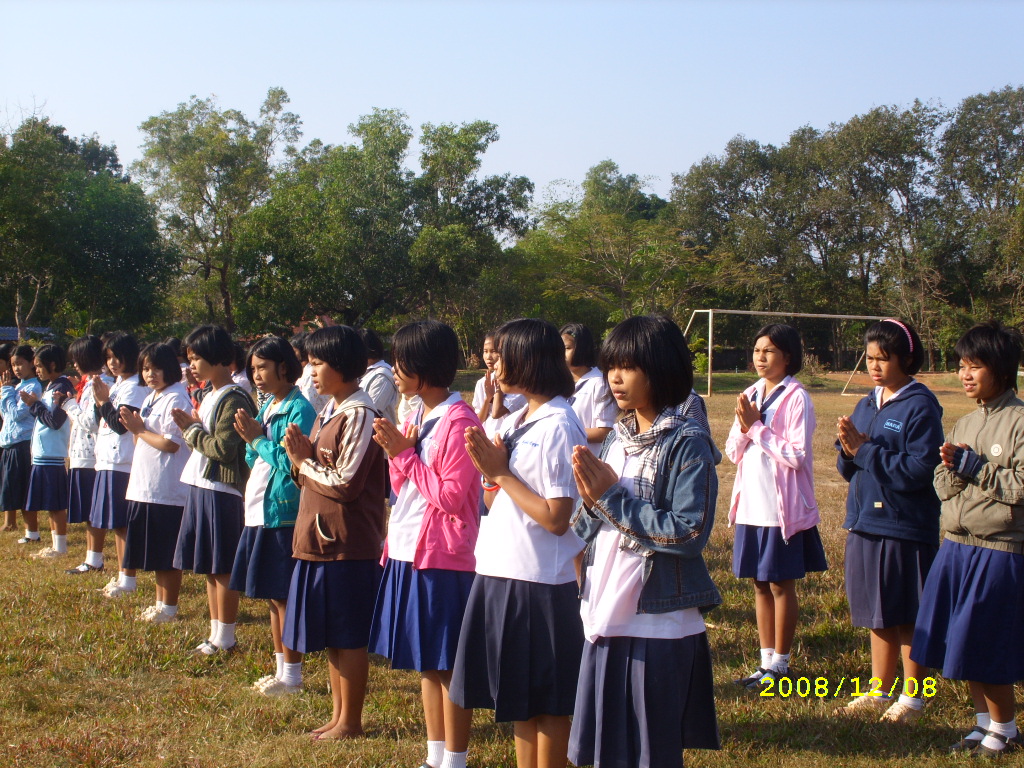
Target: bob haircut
x=585, y=353
x=428, y=349
x=277, y=350
x=24, y=351
x=341, y=348
x=298, y=342
x=174, y=343
x=212, y=343
x=995, y=347
x=5, y=352
x=787, y=339
x=533, y=357
x=897, y=339
x=161, y=357
x=87, y=353
x=656, y=346
x=374, y=346
x=125, y=349
x=52, y=357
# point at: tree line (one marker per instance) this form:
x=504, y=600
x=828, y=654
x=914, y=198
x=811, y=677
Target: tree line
x=910, y=211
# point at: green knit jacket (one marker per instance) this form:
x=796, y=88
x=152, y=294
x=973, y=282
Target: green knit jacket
x=224, y=448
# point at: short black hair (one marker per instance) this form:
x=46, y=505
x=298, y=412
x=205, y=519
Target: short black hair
x=5, y=351
x=212, y=343
x=175, y=343
x=585, y=352
x=996, y=347
x=298, y=342
x=239, y=359
x=897, y=339
x=787, y=339
x=655, y=345
x=428, y=349
x=163, y=357
x=374, y=346
x=24, y=351
x=52, y=357
x=341, y=348
x=87, y=353
x=125, y=350
x=277, y=350
x=533, y=357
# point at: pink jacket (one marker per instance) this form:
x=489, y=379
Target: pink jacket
x=451, y=485
x=788, y=443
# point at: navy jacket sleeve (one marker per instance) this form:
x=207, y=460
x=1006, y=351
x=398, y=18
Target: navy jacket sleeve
x=914, y=467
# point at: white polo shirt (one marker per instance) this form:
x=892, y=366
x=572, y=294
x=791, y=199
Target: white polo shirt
x=156, y=474
x=511, y=544
x=113, y=451
x=594, y=404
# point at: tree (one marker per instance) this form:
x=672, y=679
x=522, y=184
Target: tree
x=207, y=168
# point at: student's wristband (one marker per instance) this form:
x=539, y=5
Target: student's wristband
x=489, y=487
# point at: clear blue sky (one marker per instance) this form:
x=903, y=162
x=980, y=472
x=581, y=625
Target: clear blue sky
x=654, y=86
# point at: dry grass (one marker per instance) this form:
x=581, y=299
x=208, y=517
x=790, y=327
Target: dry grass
x=84, y=684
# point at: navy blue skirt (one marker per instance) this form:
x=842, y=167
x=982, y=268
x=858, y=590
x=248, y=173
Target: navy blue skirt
x=81, y=481
x=418, y=616
x=47, y=488
x=519, y=650
x=263, y=563
x=15, y=467
x=109, y=506
x=330, y=604
x=152, y=536
x=760, y=553
x=625, y=718
x=210, y=529
x=885, y=578
x=971, y=621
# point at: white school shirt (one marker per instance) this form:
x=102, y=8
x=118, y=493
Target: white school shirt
x=594, y=404
x=241, y=378
x=156, y=474
x=880, y=390
x=197, y=463
x=407, y=512
x=614, y=580
x=759, y=498
x=511, y=544
x=84, y=426
x=493, y=425
x=379, y=383
x=259, y=479
x=114, y=451
x=305, y=385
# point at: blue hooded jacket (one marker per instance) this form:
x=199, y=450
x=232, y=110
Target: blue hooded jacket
x=891, y=492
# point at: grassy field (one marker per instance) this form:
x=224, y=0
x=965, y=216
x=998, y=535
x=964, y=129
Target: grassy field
x=84, y=684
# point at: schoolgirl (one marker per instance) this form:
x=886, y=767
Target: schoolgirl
x=379, y=380
x=48, y=481
x=215, y=474
x=888, y=451
x=16, y=437
x=115, y=447
x=647, y=508
x=971, y=620
x=86, y=355
x=590, y=399
x=263, y=563
x=773, y=505
x=155, y=494
x=428, y=557
x=489, y=402
x=339, y=529
x=522, y=637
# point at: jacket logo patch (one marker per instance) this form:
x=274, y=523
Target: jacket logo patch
x=996, y=450
x=895, y=426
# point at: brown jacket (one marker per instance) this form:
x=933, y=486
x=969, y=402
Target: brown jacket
x=341, y=507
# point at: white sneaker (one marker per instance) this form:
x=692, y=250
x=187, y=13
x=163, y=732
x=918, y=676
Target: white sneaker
x=108, y=586
x=148, y=613
x=117, y=590
x=263, y=681
x=46, y=553
x=279, y=688
x=162, y=617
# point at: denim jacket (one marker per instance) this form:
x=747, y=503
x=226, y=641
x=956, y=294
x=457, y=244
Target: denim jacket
x=281, y=500
x=670, y=533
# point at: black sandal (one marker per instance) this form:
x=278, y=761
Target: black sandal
x=1011, y=744
x=968, y=745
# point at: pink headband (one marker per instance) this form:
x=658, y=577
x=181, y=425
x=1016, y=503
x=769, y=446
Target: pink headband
x=910, y=339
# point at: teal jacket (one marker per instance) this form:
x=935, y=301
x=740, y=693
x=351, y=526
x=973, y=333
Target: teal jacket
x=281, y=501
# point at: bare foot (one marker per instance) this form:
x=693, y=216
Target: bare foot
x=324, y=728
x=340, y=733
x=9, y=528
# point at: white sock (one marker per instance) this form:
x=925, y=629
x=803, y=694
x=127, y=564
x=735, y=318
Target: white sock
x=435, y=753
x=33, y=535
x=226, y=636
x=1009, y=730
x=913, y=702
x=279, y=664
x=60, y=543
x=984, y=720
x=170, y=610
x=214, y=629
x=95, y=559
x=291, y=674
x=126, y=581
x=159, y=605
x=453, y=760
x=780, y=662
x=766, y=657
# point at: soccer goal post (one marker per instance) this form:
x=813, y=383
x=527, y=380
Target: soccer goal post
x=711, y=327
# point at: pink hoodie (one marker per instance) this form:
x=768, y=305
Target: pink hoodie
x=788, y=442
x=451, y=485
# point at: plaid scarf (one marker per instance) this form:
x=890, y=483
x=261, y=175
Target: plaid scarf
x=646, y=446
